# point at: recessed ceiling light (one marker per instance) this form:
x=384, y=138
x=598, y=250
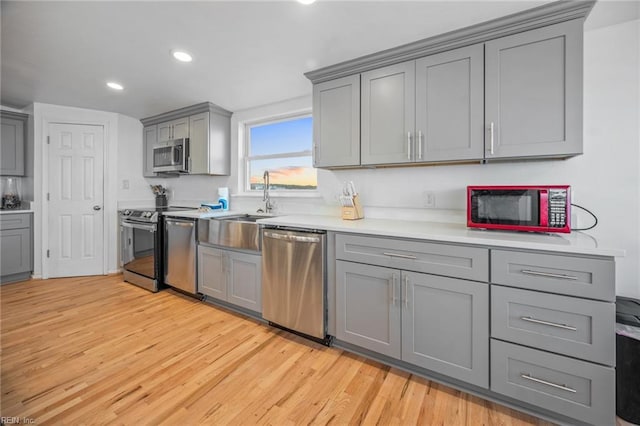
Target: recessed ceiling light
x=182, y=56
x=115, y=86
x=306, y=1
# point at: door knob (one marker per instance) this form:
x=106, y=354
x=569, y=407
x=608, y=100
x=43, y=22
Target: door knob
x=96, y=208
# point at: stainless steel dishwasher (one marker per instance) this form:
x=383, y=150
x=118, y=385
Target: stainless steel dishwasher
x=180, y=254
x=294, y=281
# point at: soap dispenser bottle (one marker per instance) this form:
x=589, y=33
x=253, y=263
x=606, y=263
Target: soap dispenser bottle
x=223, y=198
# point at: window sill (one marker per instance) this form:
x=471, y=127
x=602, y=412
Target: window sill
x=274, y=194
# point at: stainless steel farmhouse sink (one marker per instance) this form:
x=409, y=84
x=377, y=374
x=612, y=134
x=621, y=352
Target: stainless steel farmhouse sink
x=239, y=232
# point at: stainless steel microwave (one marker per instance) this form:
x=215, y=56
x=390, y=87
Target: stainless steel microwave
x=171, y=156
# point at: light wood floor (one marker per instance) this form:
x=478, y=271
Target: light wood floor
x=98, y=350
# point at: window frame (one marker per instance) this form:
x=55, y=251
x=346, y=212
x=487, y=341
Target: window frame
x=246, y=158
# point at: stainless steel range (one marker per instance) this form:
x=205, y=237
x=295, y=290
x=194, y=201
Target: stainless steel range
x=141, y=246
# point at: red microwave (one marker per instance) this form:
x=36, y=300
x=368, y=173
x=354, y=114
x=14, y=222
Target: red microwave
x=537, y=208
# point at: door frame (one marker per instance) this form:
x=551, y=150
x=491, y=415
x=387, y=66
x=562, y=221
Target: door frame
x=68, y=115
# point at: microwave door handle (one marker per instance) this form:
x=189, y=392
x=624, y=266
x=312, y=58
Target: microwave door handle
x=544, y=208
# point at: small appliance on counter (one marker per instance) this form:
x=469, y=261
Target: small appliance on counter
x=10, y=193
x=223, y=201
x=534, y=208
x=350, y=201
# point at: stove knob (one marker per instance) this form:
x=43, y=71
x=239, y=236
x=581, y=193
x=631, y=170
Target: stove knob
x=127, y=213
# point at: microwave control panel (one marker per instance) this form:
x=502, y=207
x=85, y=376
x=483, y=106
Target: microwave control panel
x=558, y=208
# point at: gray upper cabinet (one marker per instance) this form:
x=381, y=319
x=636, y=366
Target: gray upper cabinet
x=336, y=122
x=149, y=138
x=174, y=129
x=509, y=88
x=208, y=128
x=388, y=114
x=449, y=105
x=12, y=141
x=533, y=99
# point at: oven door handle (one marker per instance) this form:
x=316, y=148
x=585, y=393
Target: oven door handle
x=150, y=228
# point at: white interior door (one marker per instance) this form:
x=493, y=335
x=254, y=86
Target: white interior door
x=75, y=188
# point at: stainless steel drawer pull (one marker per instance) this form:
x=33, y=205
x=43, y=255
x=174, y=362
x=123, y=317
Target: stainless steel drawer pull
x=403, y=256
x=552, y=324
x=544, y=382
x=549, y=275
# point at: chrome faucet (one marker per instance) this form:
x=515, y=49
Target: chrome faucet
x=265, y=196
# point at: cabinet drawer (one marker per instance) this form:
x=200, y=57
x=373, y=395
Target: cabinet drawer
x=573, y=388
x=441, y=259
x=15, y=220
x=574, y=276
x=567, y=325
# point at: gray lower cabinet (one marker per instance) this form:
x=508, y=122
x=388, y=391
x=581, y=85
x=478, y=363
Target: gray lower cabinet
x=12, y=143
x=445, y=326
x=568, y=386
x=368, y=307
x=16, y=246
x=149, y=138
x=437, y=323
x=336, y=122
x=533, y=93
x=388, y=114
x=450, y=105
x=231, y=276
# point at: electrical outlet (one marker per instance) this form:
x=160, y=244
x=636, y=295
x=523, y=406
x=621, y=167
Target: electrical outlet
x=125, y=184
x=429, y=199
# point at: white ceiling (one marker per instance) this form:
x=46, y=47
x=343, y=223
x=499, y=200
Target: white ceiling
x=246, y=53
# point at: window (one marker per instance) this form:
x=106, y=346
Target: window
x=283, y=148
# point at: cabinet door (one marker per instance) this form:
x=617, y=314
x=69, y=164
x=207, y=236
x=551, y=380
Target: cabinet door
x=445, y=326
x=164, y=131
x=180, y=128
x=212, y=274
x=533, y=96
x=150, y=136
x=336, y=122
x=12, y=147
x=388, y=114
x=245, y=280
x=450, y=105
x=15, y=245
x=368, y=307
x=199, y=143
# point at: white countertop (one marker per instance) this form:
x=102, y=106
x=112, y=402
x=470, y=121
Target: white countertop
x=574, y=243
x=195, y=214
x=9, y=211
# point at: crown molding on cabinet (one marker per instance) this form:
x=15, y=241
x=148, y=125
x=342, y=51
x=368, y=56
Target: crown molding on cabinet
x=549, y=14
x=185, y=112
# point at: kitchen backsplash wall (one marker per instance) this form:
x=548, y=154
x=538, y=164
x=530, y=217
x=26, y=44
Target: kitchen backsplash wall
x=606, y=179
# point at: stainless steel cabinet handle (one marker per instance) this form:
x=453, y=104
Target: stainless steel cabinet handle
x=549, y=275
x=394, y=278
x=406, y=291
x=403, y=256
x=544, y=382
x=491, y=137
x=419, y=144
x=408, y=145
x=552, y=324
